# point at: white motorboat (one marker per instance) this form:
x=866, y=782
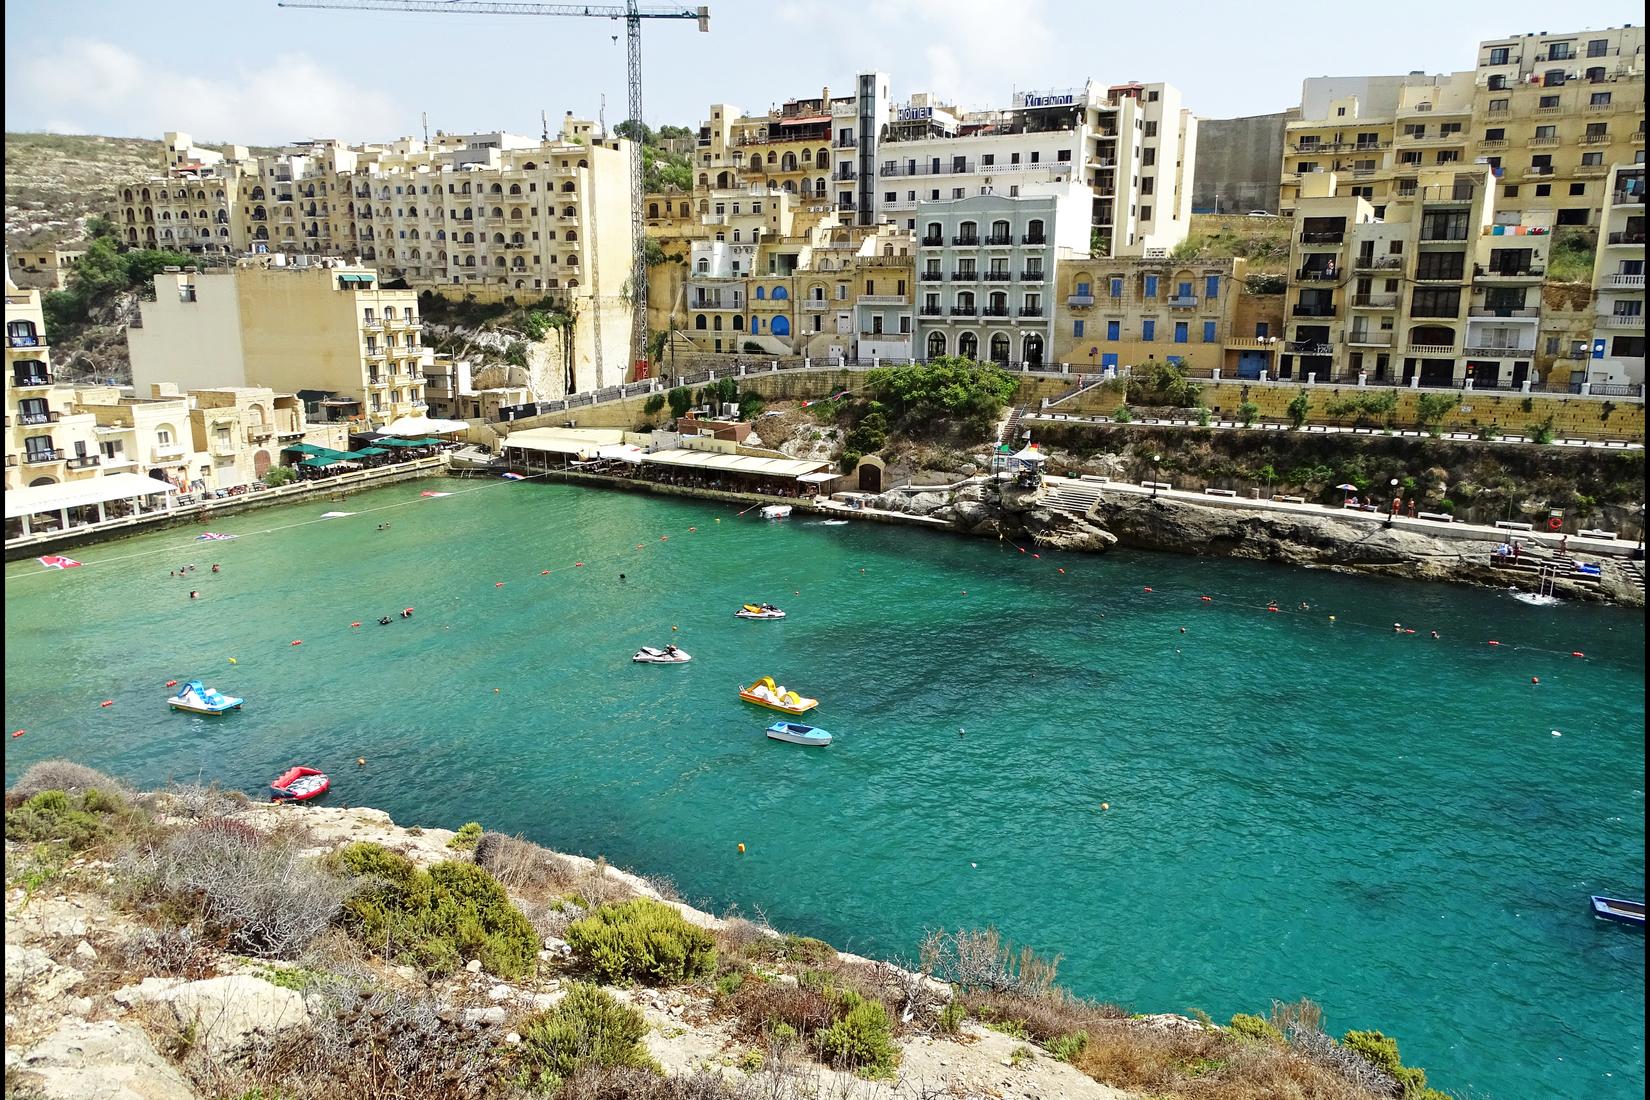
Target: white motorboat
x=798, y=734
x=759, y=611
x=669, y=655
x=775, y=511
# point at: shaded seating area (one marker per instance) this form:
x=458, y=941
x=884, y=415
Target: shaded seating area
x=604, y=451
x=38, y=509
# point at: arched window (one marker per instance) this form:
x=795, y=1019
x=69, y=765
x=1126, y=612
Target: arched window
x=824, y=157
x=761, y=293
x=497, y=189
x=756, y=325
x=716, y=323
x=788, y=163
x=936, y=344
x=968, y=231
x=572, y=236
x=699, y=322
x=756, y=162
x=999, y=348
x=933, y=234
x=781, y=326
x=968, y=346
x=819, y=187
x=999, y=231
x=704, y=179
x=569, y=212
x=515, y=189
x=1034, y=231
x=653, y=210
x=780, y=294
x=1031, y=350
x=738, y=323
x=773, y=158
x=816, y=293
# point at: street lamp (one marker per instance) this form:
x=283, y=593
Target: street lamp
x=1394, y=513
x=1155, y=460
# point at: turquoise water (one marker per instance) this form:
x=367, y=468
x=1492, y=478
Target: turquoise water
x=1299, y=807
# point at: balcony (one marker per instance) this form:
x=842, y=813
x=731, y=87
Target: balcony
x=933, y=242
x=1304, y=310
x=963, y=311
x=38, y=418
x=30, y=380
x=816, y=305
x=1079, y=301
x=1328, y=236
x=1624, y=198
x=25, y=341
x=1493, y=143
x=1591, y=171
x=1495, y=351
x=1037, y=311
x=1033, y=275
x=1033, y=238
x=882, y=299
x=968, y=275
x=1623, y=282
x=999, y=239
x=1183, y=301
x=258, y=432
x=996, y=276
x=1544, y=141
x=931, y=311
x=1530, y=312
x=1259, y=343
x=1309, y=347
x=1629, y=237
x=374, y=353
x=1436, y=351
x=967, y=239
x=1508, y=274
x=41, y=457
x=1595, y=139
x=1374, y=301
x=1315, y=275
x=1369, y=339
x=83, y=462
x=1623, y=320
x=931, y=277
x=994, y=311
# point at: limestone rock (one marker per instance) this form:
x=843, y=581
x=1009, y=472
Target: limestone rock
x=225, y=1011
x=104, y=1060
x=491, y=1016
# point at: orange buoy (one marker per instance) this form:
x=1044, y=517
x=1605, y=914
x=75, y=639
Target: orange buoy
x=17, y=733
x=1577, y=653
x=1036, y=555
x=171, y=683
x=107, y=703
x=1271, y=609
x=1535, y=679
x=741, y=847
x=544, y=572
x=355, y=624
x=298, y=641
x=1148, y=590
x=498, y=584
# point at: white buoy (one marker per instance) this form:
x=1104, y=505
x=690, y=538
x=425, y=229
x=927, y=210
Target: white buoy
x=1557, y=734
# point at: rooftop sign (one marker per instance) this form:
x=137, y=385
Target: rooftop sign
x=1060, y=98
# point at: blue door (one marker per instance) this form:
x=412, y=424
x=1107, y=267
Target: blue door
x=1251, y=364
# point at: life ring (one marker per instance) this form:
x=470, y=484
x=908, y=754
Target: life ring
x=1554, y=523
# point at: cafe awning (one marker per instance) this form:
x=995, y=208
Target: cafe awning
x=30, y=499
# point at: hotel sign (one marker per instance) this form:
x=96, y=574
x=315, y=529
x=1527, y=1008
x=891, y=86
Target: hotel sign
x=915, y=114
x=1047, y=99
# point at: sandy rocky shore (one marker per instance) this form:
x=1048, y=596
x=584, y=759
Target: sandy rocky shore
x=1185, y=527
x=74, y=1012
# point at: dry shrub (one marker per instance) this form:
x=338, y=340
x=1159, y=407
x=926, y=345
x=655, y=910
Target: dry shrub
x=758, y=1005
x=1044, y=1017
x=1127, y=1055
x=615, y=1083
x=741, y=938
x=982, y=960
x=256, y=891
x=65, y=776
x=1260, y=1073
x=372, y=1045
x=522, y=866
x=196, y=802
x=185, y=951
x=596, y=888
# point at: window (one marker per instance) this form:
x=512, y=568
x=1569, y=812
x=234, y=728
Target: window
x=1558, y=51
x=1036, y=156
x=1148, y=330
x=1498, y=106
x=1077, y=328
x=1146, y=185
x=1145, y=213
x=1116, y=287
x=1511, y=191
x=1547, y=101
x=1435, y=302
x=1440, y=265
x=1208, y=332
x=1063, y=156
x=890, y=196
x=1181, y=332
x=1151, y=286
x=988, y=159
x=1552, y=78
x=1600, y=99
x=1542, y=190
x=1151, y=129
x=1578, y=188
x=1598, y=47
x=1498, y=55
x=1597, y=131
x=1496, y=133
x=1148, y=157
x=1114, y=330
x=1592, y=159
x=1083, y=290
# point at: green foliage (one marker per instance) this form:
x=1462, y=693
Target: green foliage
x=1447, y=505
x=952, y=1015
x=100, y=226
x=1528, y=404
x=806, y=949
x=516, y=354
x=1544, y=431
x=78, y=820
x=1203, y=416
x=1262, y=283
x=1488, y=433
x=1431, y=408
x=1188, y=249
x=586, y=1028
x=752, y=347
x=1247, y=413
x=1570, y=256
x=278, y=475
x=653, y=404
x=869, y=435
x=642, y=940
x=653, y=252
x=466, y=837
x=99, y=275
x=1122, y=414
x=681, y=400
x=436, y=919
x=751, y=405
x=946, y=388
x=849, y=460
x=862, y=1038
x=1299, y=407
x=1067, y=1047
x=1365, y=408
x=1257, y=1028
x=1155, y=383
x=1382, y=1052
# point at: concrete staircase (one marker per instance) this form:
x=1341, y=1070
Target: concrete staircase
x=1069, y=496
x=1009, y=431
x=1635, y=574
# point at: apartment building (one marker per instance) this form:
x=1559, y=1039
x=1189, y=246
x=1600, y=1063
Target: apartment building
x=1132, y=145
x=986, y=269
x=47, y=441
x=41, y=268
x=1548, y=114
x=327, y=331
x=150, y=436
x=1616, y=356
x=1113, y=312
x=1436, y=292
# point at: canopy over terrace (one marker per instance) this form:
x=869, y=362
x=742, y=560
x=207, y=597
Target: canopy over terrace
x=532, y=447
x=65, y=499
x=734, y=471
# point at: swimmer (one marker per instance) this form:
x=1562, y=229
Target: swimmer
x=1435, y=634
x=407, y=613
x=1305, y=606
x=385, y=621
x=194, y=595
x=216, y=568
x=1397, y=628
x=621, y=576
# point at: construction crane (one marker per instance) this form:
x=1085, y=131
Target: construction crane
x=632, y=13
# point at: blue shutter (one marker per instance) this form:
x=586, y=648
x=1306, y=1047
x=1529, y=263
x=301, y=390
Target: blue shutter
x=1117, y=288
x=1185, y=291
x=1208, y=332
x=1180, y=333
x=1108, y=359
x=1114, y=330
x=1211, y=286
x=1148, y=330
x=1151, y=286
x=1083, y=290
x=1077, y=328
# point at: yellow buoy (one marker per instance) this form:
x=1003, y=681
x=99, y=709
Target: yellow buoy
x=360, y=761
x=1105, y=805
x=741, y=847
x=231, y=660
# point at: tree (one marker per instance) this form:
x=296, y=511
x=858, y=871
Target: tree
x=1298, y=409
x=1431, y=408
x=681, y=400
x=99, y=226
x=946, y=388
x=634, y=130
x=1247, y=413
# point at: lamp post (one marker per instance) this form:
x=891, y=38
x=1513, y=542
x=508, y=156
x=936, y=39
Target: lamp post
x=1394, y=513
x=1155, y=460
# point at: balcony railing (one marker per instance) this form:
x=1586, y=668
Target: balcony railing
x=963, y=311
x=1033, y=238
x=1079, y=301
x=1323, y=236
x=931, y=276
x=1003, y=238
x=965, y=276
x=83, y=462
x=31, y=379
x=40, y=418
x=1033, y=275
x=1309, y=347
x=994, y=311
x=1434, y=350
x=1633, y=237
x=996, y=276
x=1183, y=301
x=1624, y=282
x=41, y=457
x=933, y=242
x=1624, y=320
x=1377, y=263
x=1595, y=139
x=25, y=341
x=816, y=305
x=1037, y=311
x=1515, y=272
x=1304, y=310
x=931, y=311
x=1374, y=301
x=1370, y=339
x=1312, y=275
x=1495, y=351
x=965, y=239
x=1625, y=198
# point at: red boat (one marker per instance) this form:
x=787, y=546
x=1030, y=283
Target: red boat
x=300, y=785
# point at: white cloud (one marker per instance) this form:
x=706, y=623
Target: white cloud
x=277, y=100
x=976, y=49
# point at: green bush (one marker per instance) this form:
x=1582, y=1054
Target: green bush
x=1544, y=431
x=1431, y=408
x=1247, y=413
x=466, y=837
x=953, y=1015
x=77, y=820
x=1299, y=408
x=1256, y=1028
x=752, y=347
x=863, y=1038
x=1381, y=1052
x=1067, y=1047
x=642, y=940
x=870, y=434
x=437, y=919
x=849, y=460
x=680, y=399
x=751, y=405
x=1203, y=416
x=1447, y=505
x=653, y=404
x=587, y=1028
x=807, y=950
x=1122, y=414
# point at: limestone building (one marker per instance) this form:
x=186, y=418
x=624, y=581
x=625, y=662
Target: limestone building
x=47, y=441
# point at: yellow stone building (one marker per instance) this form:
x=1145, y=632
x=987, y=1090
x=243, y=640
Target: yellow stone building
x=326, y=331
x=1113, y=312
x=47, y=441
x=1616, y=357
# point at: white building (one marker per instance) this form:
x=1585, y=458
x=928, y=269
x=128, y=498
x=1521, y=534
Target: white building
x=1618, y=283
x=985, y=271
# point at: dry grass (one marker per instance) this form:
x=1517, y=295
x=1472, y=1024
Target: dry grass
x=758, y=1005
x=523, y=867
x=65, y=776
x=1044, y=1017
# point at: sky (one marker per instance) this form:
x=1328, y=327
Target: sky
x=251, y=72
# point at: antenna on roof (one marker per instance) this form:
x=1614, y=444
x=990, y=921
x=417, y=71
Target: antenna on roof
x=424, y=117
x=601, y=115
x=544, y=126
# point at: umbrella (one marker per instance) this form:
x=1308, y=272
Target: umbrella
x=1348, y=487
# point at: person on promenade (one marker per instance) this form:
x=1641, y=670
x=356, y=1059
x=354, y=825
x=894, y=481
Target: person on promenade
x=1412, y=508
x=1515, y=551
x=1564, y=544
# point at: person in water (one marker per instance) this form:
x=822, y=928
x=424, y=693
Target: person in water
x=407, y=613
x=216, y=568
x=194, y=595
x=621, y=577
x=385, y=621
